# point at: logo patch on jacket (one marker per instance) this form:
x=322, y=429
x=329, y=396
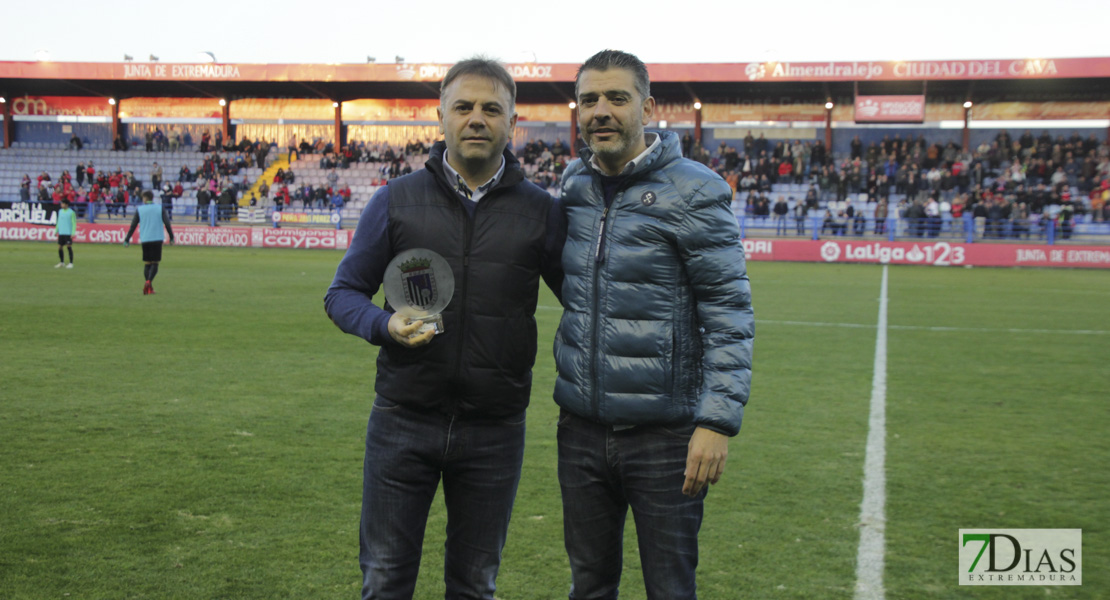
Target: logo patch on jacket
x=648, y=198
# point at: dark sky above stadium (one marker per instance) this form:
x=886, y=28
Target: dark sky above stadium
x=674, y=31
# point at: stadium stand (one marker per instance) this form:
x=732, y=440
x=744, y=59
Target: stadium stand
x=1010, y=187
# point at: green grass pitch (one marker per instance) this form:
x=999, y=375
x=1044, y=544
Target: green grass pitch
x=206, y=442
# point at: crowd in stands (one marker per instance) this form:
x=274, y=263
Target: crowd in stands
x=544, y=163
x=358, y=151
x=118, y=190
x=390, y=162
x=331, y=196
x=1012, y=186
x=115, y=189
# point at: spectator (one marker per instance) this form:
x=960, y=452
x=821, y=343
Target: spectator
x=781, y=209
x=880, y=217
x=801, y=210
x=204, y=198
x=167, y=200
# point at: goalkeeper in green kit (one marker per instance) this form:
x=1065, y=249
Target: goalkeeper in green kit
x=67, y=228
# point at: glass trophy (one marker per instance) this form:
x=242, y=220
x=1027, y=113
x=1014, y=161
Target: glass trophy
x=418, y=284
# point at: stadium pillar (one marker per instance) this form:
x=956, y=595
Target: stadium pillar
x=828, y=129
x=338, y=125
x=6, y=107
x=115, y=120
x=573, y=130
x=697, y=123
x=225, y=119
x=967, y=130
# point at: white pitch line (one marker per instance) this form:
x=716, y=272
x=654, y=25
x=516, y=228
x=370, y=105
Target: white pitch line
x=872, y=521
x=938, y=328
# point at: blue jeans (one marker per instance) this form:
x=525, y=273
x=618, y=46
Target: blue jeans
x=603, y=472
x=407, y=452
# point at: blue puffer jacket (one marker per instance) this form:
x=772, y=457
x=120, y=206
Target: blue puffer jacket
x=658, y=329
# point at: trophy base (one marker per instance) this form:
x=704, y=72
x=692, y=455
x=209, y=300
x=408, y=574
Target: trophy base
x=431, y=323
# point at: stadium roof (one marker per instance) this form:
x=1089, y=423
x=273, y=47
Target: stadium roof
x=1075, y=78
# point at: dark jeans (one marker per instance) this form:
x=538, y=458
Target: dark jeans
x=880, y=226
x=602, y=473
x=407, y=452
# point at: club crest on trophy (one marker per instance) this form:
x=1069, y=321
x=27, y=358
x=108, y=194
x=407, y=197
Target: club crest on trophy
x=418, y=284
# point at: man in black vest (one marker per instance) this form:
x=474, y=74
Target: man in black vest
x=451, y=405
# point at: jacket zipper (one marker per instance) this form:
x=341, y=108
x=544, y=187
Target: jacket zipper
x=595, y=315
x=599, y=246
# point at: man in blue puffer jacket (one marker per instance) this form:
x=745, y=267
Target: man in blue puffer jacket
x=655, y=344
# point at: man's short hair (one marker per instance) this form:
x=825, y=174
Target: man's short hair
x=480, y=66
x=65, y=201
x=616, y=59
x=148, y=196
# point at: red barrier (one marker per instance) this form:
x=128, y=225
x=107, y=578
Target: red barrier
x=922, y=252
x=238, y=237
x=928, y=253
x=302, y=238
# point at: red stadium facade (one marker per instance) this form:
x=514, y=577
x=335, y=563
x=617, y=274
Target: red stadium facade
x=688, y=94
x=965, y=103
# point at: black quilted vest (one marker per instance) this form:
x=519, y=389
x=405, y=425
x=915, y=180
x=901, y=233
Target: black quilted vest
x=481, y=365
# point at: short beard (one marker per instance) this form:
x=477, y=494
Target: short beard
x=624, y=142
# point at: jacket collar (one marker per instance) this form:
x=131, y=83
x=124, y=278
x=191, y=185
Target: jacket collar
x=511, y=176
x=665, y=148
x=651, y=139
